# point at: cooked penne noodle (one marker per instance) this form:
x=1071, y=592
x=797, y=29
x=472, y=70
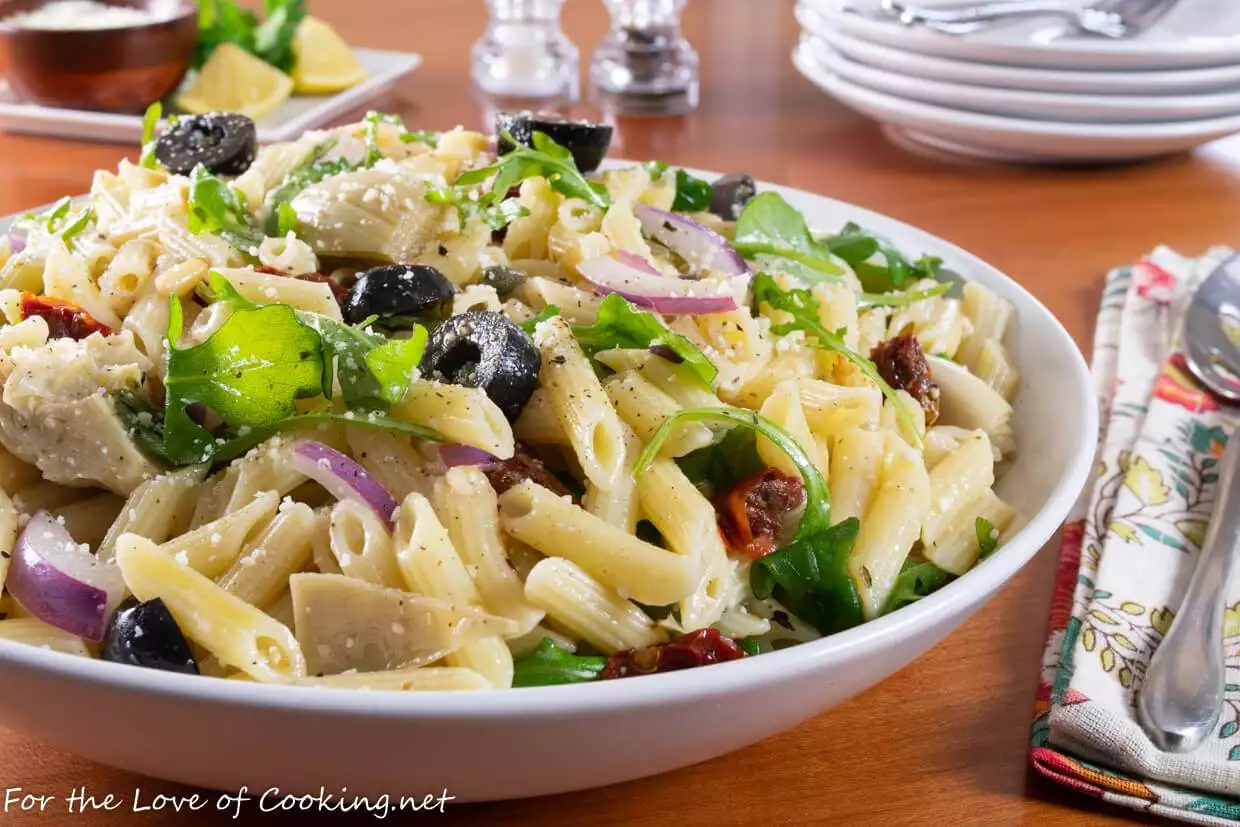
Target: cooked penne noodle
x=210, y=549
x=460, y=414
x=588, y=609
x=34, y=632
x=262, y=570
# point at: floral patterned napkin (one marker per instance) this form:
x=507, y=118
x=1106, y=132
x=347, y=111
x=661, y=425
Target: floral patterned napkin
x=1127, y=554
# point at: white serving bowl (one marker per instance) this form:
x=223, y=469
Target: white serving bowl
x=227, y=734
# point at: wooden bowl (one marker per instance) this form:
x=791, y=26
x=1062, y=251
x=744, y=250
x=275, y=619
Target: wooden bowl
x=114, y=70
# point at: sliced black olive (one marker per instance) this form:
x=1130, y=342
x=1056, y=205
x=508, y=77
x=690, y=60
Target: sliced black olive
x=503, y=279
x=482, y=349
x=587, y=141
x=731, y=193
x=222, y=142
x=397, y=291
x=145, y=634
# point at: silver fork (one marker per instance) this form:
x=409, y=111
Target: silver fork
x=1105, y=18
x=1181, y=698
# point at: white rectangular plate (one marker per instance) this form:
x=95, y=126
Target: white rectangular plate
x=293, y=117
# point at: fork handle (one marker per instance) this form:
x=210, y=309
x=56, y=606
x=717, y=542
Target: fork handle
x=1180, y=701
x=977, y=14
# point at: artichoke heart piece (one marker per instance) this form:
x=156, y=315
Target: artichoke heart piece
x=378, y=214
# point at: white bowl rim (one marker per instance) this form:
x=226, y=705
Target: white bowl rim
x=650, y=690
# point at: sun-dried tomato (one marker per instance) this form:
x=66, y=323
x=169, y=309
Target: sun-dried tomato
x=339, y=291
x=752, y=512
x=65, y=320
x=902, y=363
x=523, y=465
x=697, y=648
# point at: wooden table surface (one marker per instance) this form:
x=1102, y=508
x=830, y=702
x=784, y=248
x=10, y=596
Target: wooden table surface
x=945, y=739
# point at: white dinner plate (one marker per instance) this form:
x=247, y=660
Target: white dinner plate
x=226, y=734
x=1194, y=33
x=1132, y=82
x=293, y=117
x=1019, y=138
x=1050, y=106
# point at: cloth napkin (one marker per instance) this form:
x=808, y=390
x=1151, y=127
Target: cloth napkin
x=1128, y=551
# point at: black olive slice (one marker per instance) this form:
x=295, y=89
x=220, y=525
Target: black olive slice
x=731, y=193
x=504, y=279
x=145, y=634
x=588, y=142
x=397, y=291
x=482, y=349
x=223, y=142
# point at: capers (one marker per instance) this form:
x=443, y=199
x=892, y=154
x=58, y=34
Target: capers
x=482, y=349
x=397, y=293
x=503, y=279
x=146, y=634
x=731, y=193
x=223, y=142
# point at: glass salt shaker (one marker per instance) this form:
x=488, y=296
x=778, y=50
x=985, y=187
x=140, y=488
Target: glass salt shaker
x=524, y=58
x=645, y=66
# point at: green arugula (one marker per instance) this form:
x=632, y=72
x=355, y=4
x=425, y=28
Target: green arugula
x=728, y=461
x=249, y=372
x=496, y=211
x=857, y=246
x=421, y=136
x=987, y=537
x=749, y=645
x=692, y=194
x=56, y=214
x=215, y=207
x=273, y=39
x=77, y=226
x=550, y=311
x=149, y=122
x=223, y=21
x=395, y=362
x=803, y=307
x=770, y=226
x=898, y=299
x=311, y=172
x=621, y=324
x=915, y=581
x=546, y=159
x=286, y=219
x=143, y=421
x=655, y=169
x=549, y=665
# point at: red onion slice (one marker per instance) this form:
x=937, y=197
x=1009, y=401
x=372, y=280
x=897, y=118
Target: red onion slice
x=700, y=246
x=663, y=294
x=454, y=454
x=61, y=582
x=343, y=477
x=17, y=243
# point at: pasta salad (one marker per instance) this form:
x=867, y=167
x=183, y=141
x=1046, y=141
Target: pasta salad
x=389, y=409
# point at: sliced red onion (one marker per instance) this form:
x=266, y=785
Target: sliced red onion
x=663, y=294
x=701, y=246
x=632, y=259
x=17, y=243
x=61, y=582
x=343, y=477
x=454, y=454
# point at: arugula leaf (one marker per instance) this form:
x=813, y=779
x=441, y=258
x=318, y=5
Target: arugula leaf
x=215, y=207
x=249, y=372
x=749, y=645
x=496, y=211
x=725, y=463
x=223, y=21
x=286, y=219
x=297, y=180
x=898, y=299
x=549, y=665
x=817, y=515
x=421, y=136
x=223, y=291
x=76, y=226
x=143, y=421
x=621, y=324
x=915, y=581
x=770, y=226
x=149, y=122
x=546, y=159
x=56, y=214
x=273, y=39
x=395, y=362
x=987, y=537
x=857, y=246
x=541, y=316
x=655, y=169
x=810, y=577
x=345, y=348
x=692, y=194
x=238, y=445
x=803, y=308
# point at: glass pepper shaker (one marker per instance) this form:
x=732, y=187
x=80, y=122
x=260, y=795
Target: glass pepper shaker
x=524, y=55
x=645, y=66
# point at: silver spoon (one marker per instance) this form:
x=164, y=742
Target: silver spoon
x=1180, y=701
x=1115, y=19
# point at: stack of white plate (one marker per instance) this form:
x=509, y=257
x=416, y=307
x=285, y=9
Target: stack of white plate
x=1032, y=90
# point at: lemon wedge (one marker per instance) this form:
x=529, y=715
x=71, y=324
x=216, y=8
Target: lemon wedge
x=233, y=80
x=322, y=61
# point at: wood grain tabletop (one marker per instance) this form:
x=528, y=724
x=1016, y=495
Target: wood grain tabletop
x=943, y=741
